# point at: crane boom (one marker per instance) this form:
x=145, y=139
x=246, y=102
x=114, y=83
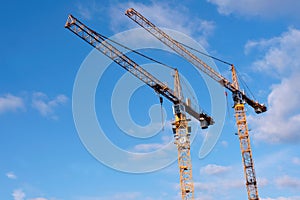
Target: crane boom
x=95, y=39
x=181, y=50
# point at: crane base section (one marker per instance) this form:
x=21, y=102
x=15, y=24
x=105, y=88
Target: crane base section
x=243, y=134
x=181, y=132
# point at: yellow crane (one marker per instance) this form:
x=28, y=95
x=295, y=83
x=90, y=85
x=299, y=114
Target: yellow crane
x=181, y=129
x=239, y=97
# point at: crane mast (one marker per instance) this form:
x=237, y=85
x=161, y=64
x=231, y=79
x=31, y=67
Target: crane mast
x=239, y=97
x=181, y=132
x=245, y=146
x=181, y=129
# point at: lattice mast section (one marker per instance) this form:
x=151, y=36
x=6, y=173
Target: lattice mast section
x=243, y=134
x=181, y=132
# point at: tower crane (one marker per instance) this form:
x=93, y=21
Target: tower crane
x=239, y=97
x=181, y=129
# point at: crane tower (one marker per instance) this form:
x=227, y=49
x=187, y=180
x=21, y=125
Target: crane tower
x=239, y=97
x=181, y=128
x=182, y=131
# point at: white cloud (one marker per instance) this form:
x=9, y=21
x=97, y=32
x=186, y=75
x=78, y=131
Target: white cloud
x=117, y=196
x=282, y=198
x=11, y=175
x=163, y=15
x=296, y=160
x=213, y=169
x=40, y=101
x=224, y=143
x=281, y=123
x=18, y=194
x=205, y=186
x=38, y=198
x=288, y=182
x=10, y=102
x=261, y=8
x=213, y=181
x=232, y=182
x=202, y=197
x=229, y=186
x=281, y=57
x=219, y=186
x=128, y=195
x=262, y=182
x=46, y=106
x=148, y=147
x=84, y=12
x=88, y=9
x=262, y=44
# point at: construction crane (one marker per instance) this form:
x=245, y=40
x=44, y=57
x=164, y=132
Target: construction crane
x=181, y=129
x=239, y=97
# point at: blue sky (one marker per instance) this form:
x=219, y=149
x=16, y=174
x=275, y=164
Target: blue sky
x=42, y=155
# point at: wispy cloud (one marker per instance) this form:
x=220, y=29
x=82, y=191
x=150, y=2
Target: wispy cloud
x=88, y=9
x=288, y=182
x=226, y=184
x=117, y=196
x=261, y=45
x=220, y=180
x=39, y=198
x=11, y=175
x=10, y=102
x=39, y=101
x=18, y=194
x=296, y=160
x=213, y=169
x=282, y=61
x=280, y=53
x=229, y=181
x=46, y=106
x=260, y=8
x=281, y=124
x=224, y=143
x=282, y=198
x=227, y=187
x=163, y=14
x=147, y=147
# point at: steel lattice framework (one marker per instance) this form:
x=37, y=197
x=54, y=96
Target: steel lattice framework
x=100, y=43
x=246, y=151
x=182, y=51
x=182, y=140
x=180, y=125
x=239, y=97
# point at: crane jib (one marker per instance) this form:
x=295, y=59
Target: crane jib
x=193, y=59
x=100, y=43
